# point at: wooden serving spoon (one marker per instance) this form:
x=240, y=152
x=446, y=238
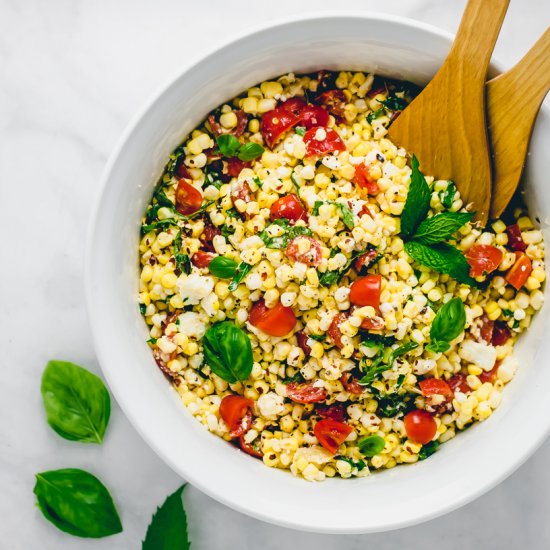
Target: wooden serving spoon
x=513, y=102
x=445, y=126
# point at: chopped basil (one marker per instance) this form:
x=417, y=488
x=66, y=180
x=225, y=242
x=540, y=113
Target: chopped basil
x=391, y=405
x=242, y=271
x=384, y=362
x=250, y=151
x=300, y=130
x=183, y=263
x=160, y=224
x=318, y=337
x=257, y=181
x=232, y=213
x=428, y=450
x=290, y=232
x=375, y=114
x=359, y=464
x=394, y=103
x=345, y=212
x=142, y=308
x=447, y=196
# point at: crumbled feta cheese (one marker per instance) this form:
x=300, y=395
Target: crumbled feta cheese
x=479, y=354
x=191, y=325
x=270, y=404
x=194, y=288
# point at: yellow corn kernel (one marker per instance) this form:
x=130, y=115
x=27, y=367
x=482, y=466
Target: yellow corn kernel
x=169, y=280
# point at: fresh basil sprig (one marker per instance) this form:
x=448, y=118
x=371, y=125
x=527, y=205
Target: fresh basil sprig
x=76, y=502
x=77, y=402
x=440, y=227
x=168, y=527
x=222, y=267
x=447, y=325
x=228, y=352
x=417, y=203
x=230, y=146
x=243, y=269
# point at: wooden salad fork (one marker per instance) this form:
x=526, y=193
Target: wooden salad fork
x=445, y=125
x=513, y=102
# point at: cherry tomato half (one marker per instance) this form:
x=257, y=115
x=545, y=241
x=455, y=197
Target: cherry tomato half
x=314, y=115
x=327, y=141
x=250, y=448
x=373, y=323
x=276, y=321
x=420, y=426
x=435, y=386
x=515, y=239
x=334, y=101
x=363, y=179
x=305, y=250
x=490, y=375
x=305, y=393
x=334, y=331
x=331, y=434
x=236, y=412
x=363, y=262
x=208, y=234
x=202, y=259
x=293, y=105
x=276, y=123
x=458, y=383
x=483, y=259
x=520, y=271
x=289, y=207
x=351, y=385
x=365, y=291
x=188, y=198
x=302, y=338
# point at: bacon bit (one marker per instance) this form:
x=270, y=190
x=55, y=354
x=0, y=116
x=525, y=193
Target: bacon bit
x=302, y=338
x=365, y=260
x=351, y=385
x=208, y=234
x=515, y=240
x=334, y=102
x=334, y=412
x=216, y=130
x=458, y=383
x=242, y=121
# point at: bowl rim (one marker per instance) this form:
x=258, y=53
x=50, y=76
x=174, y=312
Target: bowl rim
x=101, y=353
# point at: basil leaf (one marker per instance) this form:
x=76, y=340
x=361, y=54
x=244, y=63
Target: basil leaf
x=329, y=278
x=438, y=347
x=440, y=227
x=300, y=130
x=391, y=405
x=428, y=450
x=318, y=337
x=401, y=350
x=447, y=196
x=375, y=114
x=174, y=162
x=224, y=268
x=242, y=271
x=394, y=103
x=250, y=151
x=347, y=215
x=76, y=502
x=449, y=322
x=142, y=308
x=371, y=445
x=232, y=213
x=77, y=402
x=168, y=527
x=443, y=258
x=359, y=464
x=258, y=181
x=160, y=224
x=228, y=352
x=183, y=263
x=380, y=365
x=417, y=203
x=315, y=210
x=228, y=145
x=290, y=232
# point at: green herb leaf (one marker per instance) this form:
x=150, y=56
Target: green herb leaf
x=438, y=347
x=183, y=263
x=375, y=114
x=232, y=213
x=428, y=450
x=440, y=227
x=295, y=183
x=160, y=224
x=76, y=502
x=391, y=405
x=417, y=203
x=401, y=350
x=224, y=268
x=359, y=464
x=77, y=402
x=228, y=352
x=329, y=278
x=242, y=271
x=168, y=527
x=442, y=258
x=258, y=181
x=347, y=215
x=142, y=308
x=316, y=206
x=449, y=321
x=228, y=145
x=395, y=103
x=296, y=378
x=250, y=151
x=300, y=130
x=447, y=196
x=290, y=232
x=318, y=337
x=371, y=445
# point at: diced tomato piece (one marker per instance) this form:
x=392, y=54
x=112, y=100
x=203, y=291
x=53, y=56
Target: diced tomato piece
x=242, y=122
x=289, y=207
x=236, y=412
x=351, y=385
x=276, y=123
x=337, y=411
x=302, y=338
x=188, y=198
x=334, y=331
x=501, y=334
x=181, y=170
x=420, y=426
x=373, y=323
x=490, y=375
x=331, y=434
x=520, y=271
x=304, y=249
x=486, y=329
x=208, y=234
x=250, y=449
x=458, y=383
x=365, y=261
x=235, y=166
x=365, y=211
x=363, y=179
x=365, y=291
x=305, y=393
x=515, y=239
x=435, y=386
x=483, y=259
x=330, y=143
x=202, y=259
x=314, y=115
x=276, y=321
x=334, y=101
x=243, y=192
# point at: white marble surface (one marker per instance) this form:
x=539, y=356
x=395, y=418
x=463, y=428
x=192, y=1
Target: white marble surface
x=72, y=73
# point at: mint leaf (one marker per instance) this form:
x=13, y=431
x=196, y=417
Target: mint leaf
x=417, y=203
x=440, y=227
x=168, y=527
x=228, y=145
x=250, y=151
x=442, y=258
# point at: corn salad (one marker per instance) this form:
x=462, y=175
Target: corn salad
x=304, y=306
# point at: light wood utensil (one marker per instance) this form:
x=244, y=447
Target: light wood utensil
x=513, y=102
x=445, y=126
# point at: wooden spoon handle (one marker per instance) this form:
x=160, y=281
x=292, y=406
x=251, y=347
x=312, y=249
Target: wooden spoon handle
x=513, y=102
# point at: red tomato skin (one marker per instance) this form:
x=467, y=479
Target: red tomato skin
x=458, y=383
x=276, y=123
x=235, y=166
x=242, y=122
x=351, y=385
x=501, y=334
x=483, y=259
x=334, y=331
x=364, y=262
x=337, y=411
x=311, y=258
x=365, y=291
x=436, y=386
x=293, y=105
x=331, y=434
x=202, y=259
x=289, y=207
x=248, y=449
x=519, y=273
x=242, y=192
x=373, y=323
x=276, y=321
x=363, y=179
x=305, y=393
x=420, y=426
x=302, y=338
x=486, y=329
x=490, y=375
x=188, y=198
x=181, y=170
x=208, y=234
x=334, y=101
x=515, y=239
x=214, y=126
x=314, y=115
x=332, y=142
x=236, y=412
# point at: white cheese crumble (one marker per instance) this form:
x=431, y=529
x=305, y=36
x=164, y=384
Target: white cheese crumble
x=194, y=288
x=479, y=354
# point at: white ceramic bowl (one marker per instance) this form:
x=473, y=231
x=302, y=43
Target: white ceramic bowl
x=465, y=467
